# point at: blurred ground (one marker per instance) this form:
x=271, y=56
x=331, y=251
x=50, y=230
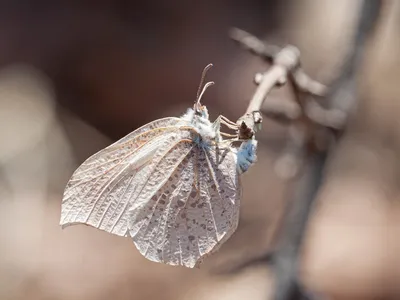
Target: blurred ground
x=75, y=77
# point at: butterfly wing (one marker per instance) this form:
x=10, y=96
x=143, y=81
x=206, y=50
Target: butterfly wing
x=226, y=187
x=177, y=200
x=113, y=154
x=101, y=190
x=188, y=213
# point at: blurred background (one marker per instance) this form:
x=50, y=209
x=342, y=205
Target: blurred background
x=77, y=75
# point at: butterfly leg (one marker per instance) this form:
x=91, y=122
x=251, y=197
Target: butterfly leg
x=223, y=120
x=232, y=140
x=235, y=140
x=228, y=135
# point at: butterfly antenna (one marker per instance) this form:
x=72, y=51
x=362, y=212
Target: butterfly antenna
x=201, y=90
x=208, y=84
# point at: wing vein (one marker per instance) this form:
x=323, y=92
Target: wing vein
x=212, y=174
x=125, y=205
x=176, y=165
x=158, y=162
x=119, y=200
x=104, y=188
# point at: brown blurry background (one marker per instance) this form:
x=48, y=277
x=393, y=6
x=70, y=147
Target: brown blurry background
x=77, y=75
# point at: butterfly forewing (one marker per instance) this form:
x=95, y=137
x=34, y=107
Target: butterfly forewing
x=100, y=191
x=165, y=122
x=123, y=148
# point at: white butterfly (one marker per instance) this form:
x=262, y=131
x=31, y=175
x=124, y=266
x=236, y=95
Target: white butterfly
x=172, y=186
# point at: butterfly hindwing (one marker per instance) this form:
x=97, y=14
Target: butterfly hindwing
x=191, y=210
x=154, y=212
x=225, y=190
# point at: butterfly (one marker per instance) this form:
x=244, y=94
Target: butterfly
x=173, y=186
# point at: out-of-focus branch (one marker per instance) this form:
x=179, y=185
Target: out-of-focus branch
x=284, y=258
x=254, y=45
x=341, y=97
x=285, y=66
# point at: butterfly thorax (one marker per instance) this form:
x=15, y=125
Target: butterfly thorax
x=198, y=119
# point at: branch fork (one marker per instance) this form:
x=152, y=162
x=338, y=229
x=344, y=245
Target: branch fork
x=307, y=114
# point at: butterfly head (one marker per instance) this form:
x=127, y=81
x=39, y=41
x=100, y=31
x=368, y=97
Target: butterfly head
x=201, y=111
x=198, y=117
